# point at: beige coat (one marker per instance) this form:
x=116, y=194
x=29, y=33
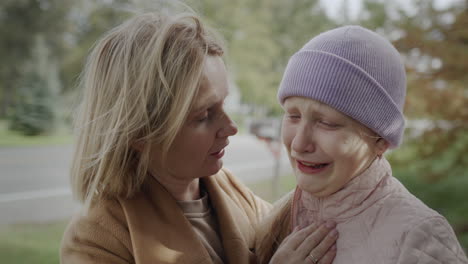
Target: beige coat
x=151, y=228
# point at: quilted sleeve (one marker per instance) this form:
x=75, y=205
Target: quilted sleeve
x=431, y=242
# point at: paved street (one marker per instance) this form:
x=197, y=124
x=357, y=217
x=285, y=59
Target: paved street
x=34, y=182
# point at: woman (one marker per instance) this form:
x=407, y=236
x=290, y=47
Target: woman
x=148, y=159
x=343, y=96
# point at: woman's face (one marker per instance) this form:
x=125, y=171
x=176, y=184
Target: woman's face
x=326, y=148
x=199, y=146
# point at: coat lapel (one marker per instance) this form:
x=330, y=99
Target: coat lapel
x=237, y=233
x=159, y=231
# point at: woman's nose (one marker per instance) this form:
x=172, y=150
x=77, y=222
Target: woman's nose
x=229, y=128
x=303, y=140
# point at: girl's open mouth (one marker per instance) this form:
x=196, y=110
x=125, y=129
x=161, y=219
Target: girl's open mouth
x=309, y=167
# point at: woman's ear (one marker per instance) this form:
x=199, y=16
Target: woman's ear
x=381, y=145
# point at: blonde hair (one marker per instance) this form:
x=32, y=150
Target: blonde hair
x=273, y=229
x=139, y=83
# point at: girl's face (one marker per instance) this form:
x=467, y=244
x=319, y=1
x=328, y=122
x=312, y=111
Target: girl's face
x=326, y=148
x=199, y=146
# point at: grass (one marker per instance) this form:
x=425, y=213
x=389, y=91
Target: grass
x=31, y=243
x=10, y=138
x=265, y=190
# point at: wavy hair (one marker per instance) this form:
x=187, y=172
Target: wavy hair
x=273, y=229
x=138, y=84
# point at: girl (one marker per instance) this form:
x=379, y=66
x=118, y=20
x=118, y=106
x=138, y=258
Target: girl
x=343, y=95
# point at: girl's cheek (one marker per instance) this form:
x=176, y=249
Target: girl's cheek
x=349, y=144
x=287, y=134
x=335, y=142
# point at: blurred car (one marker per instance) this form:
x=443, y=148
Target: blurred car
x=266, y=128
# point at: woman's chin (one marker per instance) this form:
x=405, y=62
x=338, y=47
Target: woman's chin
x=215, y=167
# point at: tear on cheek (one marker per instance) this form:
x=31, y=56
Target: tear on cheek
x=350, y=143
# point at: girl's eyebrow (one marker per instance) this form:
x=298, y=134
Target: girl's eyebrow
x=290, y=107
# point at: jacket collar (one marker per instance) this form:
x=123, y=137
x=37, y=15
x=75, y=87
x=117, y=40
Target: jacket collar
x=356, y=196
x=237, y=232
x=160, y=233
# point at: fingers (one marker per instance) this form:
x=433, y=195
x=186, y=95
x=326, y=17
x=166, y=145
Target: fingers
x=285, y=240
x=319, y=241
x=313, y=244
x=329, y=256
x=326, y=245
x=294, y=240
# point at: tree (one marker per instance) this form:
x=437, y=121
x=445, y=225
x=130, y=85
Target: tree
x=88, y=21
x=261, y=37
x=434, y=44
x=35, y=95
x=20, y=23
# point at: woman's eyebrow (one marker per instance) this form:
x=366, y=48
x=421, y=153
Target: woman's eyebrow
x=209, y=101
x=206, y=102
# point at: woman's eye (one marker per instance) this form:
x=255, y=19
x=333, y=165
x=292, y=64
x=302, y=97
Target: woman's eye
x=203, y=117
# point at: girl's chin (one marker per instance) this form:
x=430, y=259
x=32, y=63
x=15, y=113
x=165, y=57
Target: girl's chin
x=313, y=188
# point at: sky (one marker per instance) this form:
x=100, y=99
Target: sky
x=333, y=7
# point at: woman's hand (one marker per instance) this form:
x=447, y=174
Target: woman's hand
x=312, y=245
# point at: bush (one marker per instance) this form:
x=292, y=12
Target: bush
x=33, y=114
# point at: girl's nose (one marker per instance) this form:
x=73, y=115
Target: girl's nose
x=303, y=140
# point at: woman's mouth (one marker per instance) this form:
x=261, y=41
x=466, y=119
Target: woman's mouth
x=218, y=154
x=310, y=167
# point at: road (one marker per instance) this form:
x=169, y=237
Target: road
x=34, y=185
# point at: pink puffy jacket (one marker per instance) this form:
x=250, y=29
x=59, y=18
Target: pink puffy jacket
x=379, y=221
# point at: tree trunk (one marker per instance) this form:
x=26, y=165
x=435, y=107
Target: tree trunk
x=5, y=101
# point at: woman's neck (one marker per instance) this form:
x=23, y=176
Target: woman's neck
x=181, y=190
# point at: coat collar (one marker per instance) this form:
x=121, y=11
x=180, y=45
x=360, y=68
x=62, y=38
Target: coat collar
x=160, y=233
x=356, y=196
x=237, y=232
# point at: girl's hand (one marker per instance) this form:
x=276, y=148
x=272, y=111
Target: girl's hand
x=314, y=244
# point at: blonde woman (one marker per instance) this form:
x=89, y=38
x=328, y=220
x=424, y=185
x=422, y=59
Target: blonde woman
x=343, y=95
x=151, y=133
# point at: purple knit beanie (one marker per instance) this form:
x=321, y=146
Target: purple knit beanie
x=355, y=71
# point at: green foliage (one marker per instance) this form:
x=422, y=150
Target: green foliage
x=436, y=50
x=20, y=23
x=85, y=29
x=261, y=37
x=34, y=113
x=9, y=138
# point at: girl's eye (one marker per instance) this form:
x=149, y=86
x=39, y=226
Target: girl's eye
x=293, y=116
x=328, y=124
